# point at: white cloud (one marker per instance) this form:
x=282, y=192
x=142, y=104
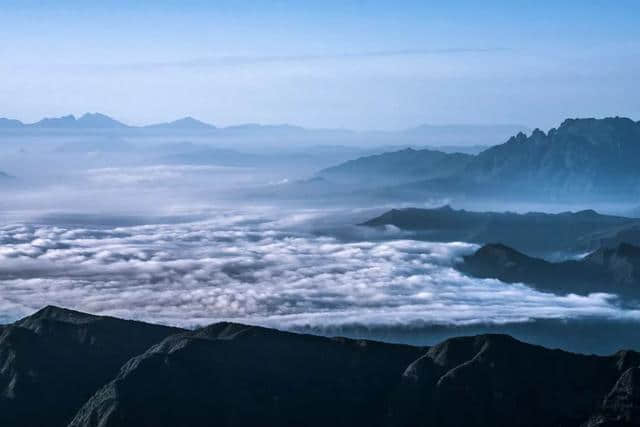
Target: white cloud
x=244, y=267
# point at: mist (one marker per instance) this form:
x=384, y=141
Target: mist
x=189, y=233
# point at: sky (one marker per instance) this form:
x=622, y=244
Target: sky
x=331, y=64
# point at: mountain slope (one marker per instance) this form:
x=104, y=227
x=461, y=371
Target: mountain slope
x=53, y=360
x=532, y=233
x=495, y=380
x=583, y=158
x=10, y=123
x=86, y=121
x=59, y=362
x=229, y=374
x=186, y=123
x=398, y=166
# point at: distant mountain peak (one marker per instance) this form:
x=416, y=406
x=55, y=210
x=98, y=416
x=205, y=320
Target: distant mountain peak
x=185, y=123
x=52, y=312
x=86, y=121
x=98, y=120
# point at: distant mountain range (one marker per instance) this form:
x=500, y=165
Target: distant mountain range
x=533, y=233
x=187, y=123
x=582, y=156
x=583, y=159
x=98, y=121
x=442, y=135
x=612, y=270
x=396, y=167
x=60, y=367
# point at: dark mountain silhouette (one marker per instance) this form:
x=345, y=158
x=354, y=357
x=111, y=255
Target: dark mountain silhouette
x=229, y=374
x=612, y=270
x=59, y=362
x=532, y=233
x=621, y=407
x=52, y=361
x=399, y=166
x=186, y=123
x=494, y=380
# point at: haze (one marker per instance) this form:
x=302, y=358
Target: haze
x=354, y=64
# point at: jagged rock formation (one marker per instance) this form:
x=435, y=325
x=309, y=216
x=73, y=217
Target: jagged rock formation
x=582, y=160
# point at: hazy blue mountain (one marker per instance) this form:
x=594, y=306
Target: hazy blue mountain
x=86, y=121
x=533, y=233
x=582, y=156
x=186, y=123
x=466, y=137
x=398, y=166
x=611, y=270
x=465, y=149
x=10, y=123
x=55, y=122
x=583, y=159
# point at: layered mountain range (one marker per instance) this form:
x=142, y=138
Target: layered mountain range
x=97, y=121
x=582, y=159
x=444, y=135
x=398, y=167
x=61, y=367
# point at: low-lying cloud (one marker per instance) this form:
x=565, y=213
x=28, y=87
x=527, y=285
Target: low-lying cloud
x=248, y=267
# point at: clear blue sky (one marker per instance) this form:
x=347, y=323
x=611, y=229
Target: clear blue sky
x=356, y=64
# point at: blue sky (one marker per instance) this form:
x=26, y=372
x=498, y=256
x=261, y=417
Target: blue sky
x=356, y=64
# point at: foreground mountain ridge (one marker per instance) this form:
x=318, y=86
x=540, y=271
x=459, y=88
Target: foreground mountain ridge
x=57, y=367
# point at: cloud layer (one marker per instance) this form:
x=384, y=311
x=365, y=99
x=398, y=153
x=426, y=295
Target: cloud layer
x=247, y=267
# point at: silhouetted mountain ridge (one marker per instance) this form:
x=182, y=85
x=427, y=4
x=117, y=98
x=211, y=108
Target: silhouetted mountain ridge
x=53, y=360
x=533, y=233
x=58, y=362
x=611, y=270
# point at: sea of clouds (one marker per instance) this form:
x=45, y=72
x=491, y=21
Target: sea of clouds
x=261, y=267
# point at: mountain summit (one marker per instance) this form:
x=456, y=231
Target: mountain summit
x=582, y=156
x=86, y=121
x=186, y=123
